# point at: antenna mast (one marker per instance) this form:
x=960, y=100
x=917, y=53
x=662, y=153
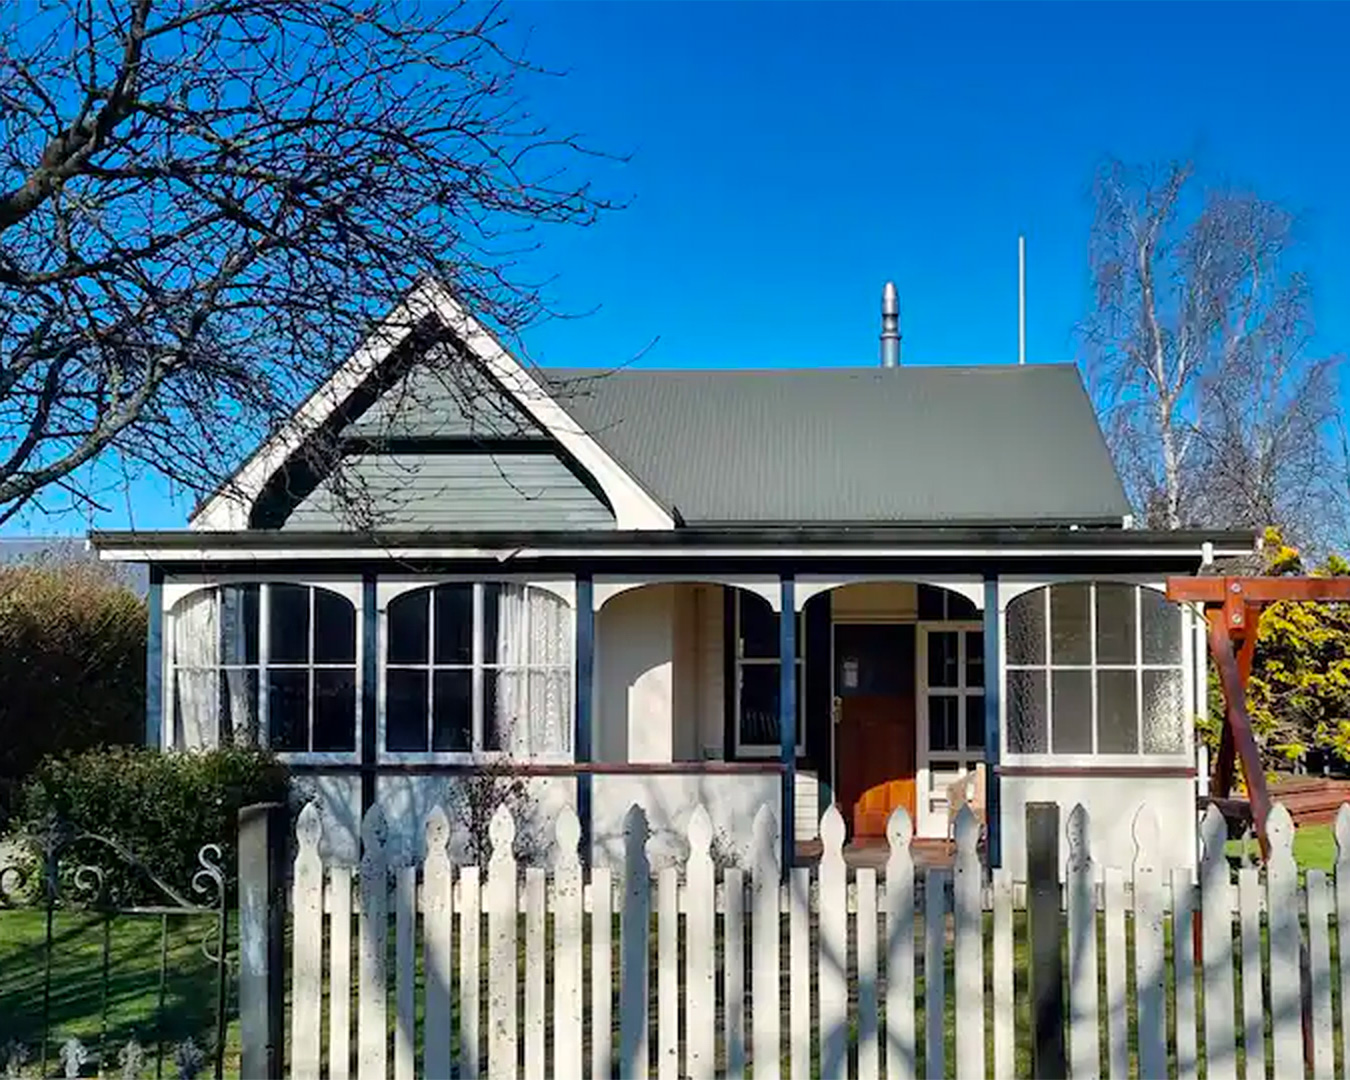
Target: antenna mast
x=1021, y=299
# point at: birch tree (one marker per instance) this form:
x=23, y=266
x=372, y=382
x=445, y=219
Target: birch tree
x=1197, y=352
x=204, y=203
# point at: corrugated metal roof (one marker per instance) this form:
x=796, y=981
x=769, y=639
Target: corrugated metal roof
x=899, y=445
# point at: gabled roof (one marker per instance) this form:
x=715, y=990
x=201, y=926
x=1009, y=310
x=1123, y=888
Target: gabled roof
x=935, y=445
x=433, y=312
x=988, y=445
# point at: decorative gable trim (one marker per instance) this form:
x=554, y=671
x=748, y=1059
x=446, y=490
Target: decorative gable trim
x=229, y=508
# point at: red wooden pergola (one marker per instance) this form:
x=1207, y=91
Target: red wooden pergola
x=1233, y=607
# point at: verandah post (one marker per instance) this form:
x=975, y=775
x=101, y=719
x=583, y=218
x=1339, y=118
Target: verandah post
x=787, y=715
x=581, y=737
x=993, y=842
x=154, y=661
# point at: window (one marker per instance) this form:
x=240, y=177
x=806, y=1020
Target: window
x=1095, y=668
x=757, y=676
x=952, y=673
x=271, y=664
x=475, y=667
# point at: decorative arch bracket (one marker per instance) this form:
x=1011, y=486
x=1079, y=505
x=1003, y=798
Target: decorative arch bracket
x=1233, y=607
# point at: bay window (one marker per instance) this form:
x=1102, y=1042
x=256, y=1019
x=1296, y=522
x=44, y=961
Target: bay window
x=478, y=667
x=1095, y=668
x=270, y=664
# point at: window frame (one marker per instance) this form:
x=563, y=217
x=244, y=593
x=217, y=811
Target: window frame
x=1012, y=591
x=179, y=587
x=392, y=588
x=932, y=820
x=765, y=750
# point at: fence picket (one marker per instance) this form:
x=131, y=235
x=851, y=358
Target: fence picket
x=934, y=972
x=691, y=912
x=1343, y=922
x=634, y=931
x=536, y=962
x=1253, y=1015
x=1319, y=971
x=1183, y=970
x=799, y=997
x=1003, y=972
x=502, y=948
x=668, y=974
x=437, y=930
x=1149, y=965
x=340, y=973
x=733, y=971
x=764, y=991
x=567, y=945
x=470, y=961
x=700, y=936
x=1117, y=987
x=307, y=956
x=901, y=1060
x=373, y=924
x=968, y=926
x=1282, y=916
x=869, y=1052
x=602, y=972
x=405, y=973
x=833, y=956
x=1216, y=926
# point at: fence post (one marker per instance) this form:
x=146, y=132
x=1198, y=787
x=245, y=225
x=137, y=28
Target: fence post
x=1046, y=925
x=262, y=927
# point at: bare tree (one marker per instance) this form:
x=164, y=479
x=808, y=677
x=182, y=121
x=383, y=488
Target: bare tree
x=1197, y=351
x=203, y=204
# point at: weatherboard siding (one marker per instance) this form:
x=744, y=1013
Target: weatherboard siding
x=455, y=491
x=442, y=398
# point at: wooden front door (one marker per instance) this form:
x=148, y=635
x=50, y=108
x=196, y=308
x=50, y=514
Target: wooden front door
x=874, y=745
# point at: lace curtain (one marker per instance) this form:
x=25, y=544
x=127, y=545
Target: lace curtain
x=531, y=709
x=214, y=679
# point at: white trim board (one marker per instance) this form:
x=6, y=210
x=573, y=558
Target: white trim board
x=229, y=509
x=211, y=553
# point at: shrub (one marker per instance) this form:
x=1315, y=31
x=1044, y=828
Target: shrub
x=72, y=664
x=163, y=807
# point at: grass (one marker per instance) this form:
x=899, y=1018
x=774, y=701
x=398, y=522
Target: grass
x=77, y=1005
x=1314, y=847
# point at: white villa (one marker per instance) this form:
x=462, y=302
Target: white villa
x=586, y=575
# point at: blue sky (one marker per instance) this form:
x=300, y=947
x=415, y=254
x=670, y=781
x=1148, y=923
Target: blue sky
x=787, y=159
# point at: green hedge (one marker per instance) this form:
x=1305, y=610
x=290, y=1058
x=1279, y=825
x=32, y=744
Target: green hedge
x=72, y=664
x=161, y=806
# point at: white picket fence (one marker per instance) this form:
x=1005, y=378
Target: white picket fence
x=816, y=975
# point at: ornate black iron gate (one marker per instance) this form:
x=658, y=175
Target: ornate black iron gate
x=77, y=887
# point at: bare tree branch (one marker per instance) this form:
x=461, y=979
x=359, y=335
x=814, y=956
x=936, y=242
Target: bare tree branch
x=205, y=203
x=1197, y=355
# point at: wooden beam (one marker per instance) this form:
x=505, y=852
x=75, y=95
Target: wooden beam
x=1257, y=590
x=1244, y=740
x=1245, y=633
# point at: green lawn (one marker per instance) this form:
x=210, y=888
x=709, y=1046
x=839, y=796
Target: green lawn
x=78, y=1006
x=1314, y=847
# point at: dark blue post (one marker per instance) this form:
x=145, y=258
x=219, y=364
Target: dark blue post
x=992, y=687
x=154, y=662
x=581, y=736
x=370, y=677
x=787, y=714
